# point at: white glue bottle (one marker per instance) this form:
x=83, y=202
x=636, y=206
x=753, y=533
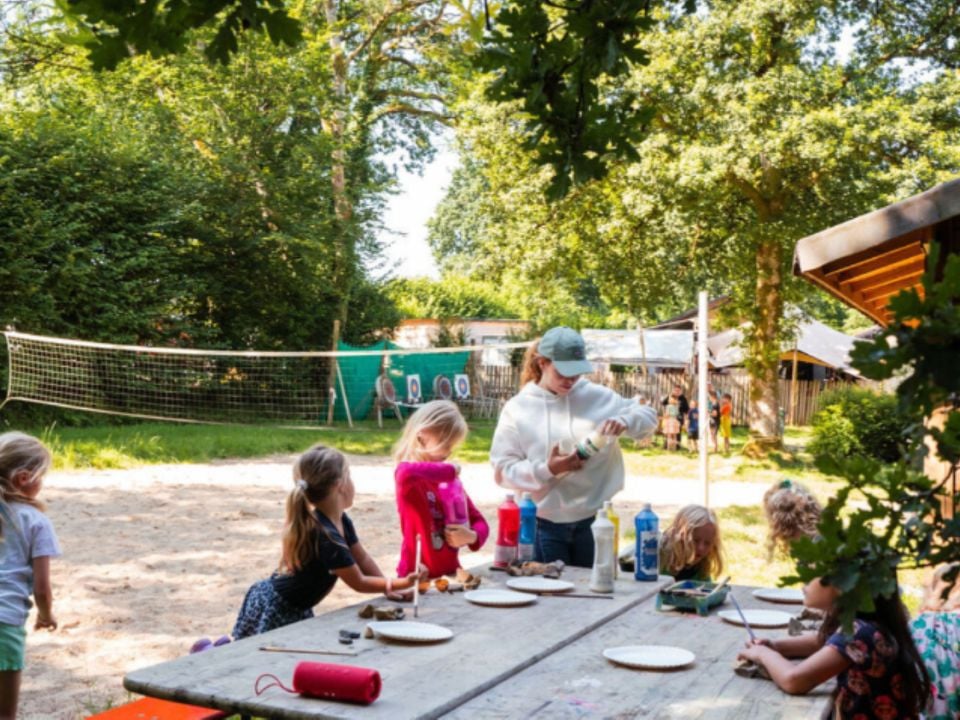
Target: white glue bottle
x=601, y=578
x=592, y=444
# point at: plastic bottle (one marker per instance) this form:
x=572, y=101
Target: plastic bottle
x=601, y=578
x=592, y=444
x=508, y=530
x=528, y=528
x=647, y=524
x=454, y=502
x=615, y=519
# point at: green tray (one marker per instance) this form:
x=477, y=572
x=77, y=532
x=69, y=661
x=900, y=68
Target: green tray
x=696, y=595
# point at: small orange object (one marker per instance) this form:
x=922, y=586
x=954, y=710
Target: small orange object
x=156, y=709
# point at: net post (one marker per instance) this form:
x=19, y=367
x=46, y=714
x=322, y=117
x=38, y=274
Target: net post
x=332, y=376
x=343, y=392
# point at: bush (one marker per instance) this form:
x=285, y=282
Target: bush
x=856, y=421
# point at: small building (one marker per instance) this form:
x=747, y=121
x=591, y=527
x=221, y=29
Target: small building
x=867, y=260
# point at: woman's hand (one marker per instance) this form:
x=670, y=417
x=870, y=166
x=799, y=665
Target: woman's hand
x=755, y=648
x=559, y=463
x=457, y=536
x=613, y=427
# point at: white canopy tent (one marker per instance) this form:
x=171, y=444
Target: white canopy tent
x=661, y=348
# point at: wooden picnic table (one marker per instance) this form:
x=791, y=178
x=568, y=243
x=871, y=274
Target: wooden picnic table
x=502, y=662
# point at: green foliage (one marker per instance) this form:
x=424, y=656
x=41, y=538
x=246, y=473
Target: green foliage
x=565, y=64
x=113, y=30
x=453, y=296
x=854, y=420
x=902, y=522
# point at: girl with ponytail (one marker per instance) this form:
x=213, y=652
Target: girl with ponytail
x=319, y=546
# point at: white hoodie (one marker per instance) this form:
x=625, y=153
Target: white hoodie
x=535, y=420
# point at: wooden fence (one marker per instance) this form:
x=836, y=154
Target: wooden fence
x=501, y=383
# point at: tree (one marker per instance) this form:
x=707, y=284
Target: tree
x=762, y=135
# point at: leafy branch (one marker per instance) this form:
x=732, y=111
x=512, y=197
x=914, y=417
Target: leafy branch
x=905, y=519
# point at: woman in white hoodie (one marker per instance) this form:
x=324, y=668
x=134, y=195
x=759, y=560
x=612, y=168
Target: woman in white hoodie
x=534, y=445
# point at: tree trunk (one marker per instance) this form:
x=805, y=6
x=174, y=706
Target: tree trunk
x=763, y=340
x=343, y=270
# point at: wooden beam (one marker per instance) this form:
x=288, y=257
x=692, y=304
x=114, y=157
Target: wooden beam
x=901, y=247
x=850, y=298
x=892, y=287
x=881, y=272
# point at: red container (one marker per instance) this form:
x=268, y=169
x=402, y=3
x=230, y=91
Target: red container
x=508, y=532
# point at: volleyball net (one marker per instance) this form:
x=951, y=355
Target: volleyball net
x=298, y=389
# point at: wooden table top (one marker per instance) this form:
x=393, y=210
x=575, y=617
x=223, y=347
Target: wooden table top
x=577, y=681
x=490, y=645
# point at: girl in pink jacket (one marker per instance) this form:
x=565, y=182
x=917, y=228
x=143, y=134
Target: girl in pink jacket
x=430, y=436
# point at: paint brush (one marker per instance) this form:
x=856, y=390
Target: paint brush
x=274, y=648
x=416, y=584
x=743, y=617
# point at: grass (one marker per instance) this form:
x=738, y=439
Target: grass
x=127, y=446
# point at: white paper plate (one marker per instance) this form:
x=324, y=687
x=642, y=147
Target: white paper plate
x=499, y=598
x=757, y=618
x=411, y=631
x=539, y=584
x=657, y=657
x=779, y=595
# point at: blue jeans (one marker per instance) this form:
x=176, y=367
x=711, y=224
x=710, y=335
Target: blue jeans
x=571, y=542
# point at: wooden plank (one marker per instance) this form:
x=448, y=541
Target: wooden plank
x=579, y=681
x=490, y=644
x=876, y=277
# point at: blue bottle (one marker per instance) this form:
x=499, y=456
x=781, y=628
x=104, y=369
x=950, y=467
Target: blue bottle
x=647, y=524
x=528, y=528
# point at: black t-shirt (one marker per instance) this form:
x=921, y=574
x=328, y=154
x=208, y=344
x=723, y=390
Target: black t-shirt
x=311, y=583
x=683, y=405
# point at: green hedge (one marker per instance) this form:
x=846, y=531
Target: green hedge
x=857, y=421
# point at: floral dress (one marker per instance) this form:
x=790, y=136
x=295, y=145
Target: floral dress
x=937, y=637
x=872, y=687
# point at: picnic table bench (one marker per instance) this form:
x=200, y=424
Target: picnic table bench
x=537, y=660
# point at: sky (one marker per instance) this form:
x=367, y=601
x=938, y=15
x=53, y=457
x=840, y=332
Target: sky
x=407, y=212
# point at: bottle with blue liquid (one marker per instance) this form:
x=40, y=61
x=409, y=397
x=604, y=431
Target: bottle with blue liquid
x=528, y=528
x=647, y=524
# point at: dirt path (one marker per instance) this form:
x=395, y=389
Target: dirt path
x=159, y=556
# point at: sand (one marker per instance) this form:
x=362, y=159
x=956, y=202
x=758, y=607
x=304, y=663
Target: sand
x=159, y=556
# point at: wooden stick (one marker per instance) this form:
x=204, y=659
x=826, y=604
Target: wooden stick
x=416, y=583
x=274, y=648
x=576, y=595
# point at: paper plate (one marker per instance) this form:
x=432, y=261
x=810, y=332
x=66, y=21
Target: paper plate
x=500, y=598
x=779, y=595
x=539, y=584
x=656, y=657
x=757, y=618
x=411, y=631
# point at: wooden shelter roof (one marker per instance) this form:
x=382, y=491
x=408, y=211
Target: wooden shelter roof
x=867, y=260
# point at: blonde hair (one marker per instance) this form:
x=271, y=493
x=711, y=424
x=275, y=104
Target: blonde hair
x=315, y=474
x=19, y=452
x=792, y=513
x=938, y=596
x=678, y=546
x=440, y=417
x=530, y=370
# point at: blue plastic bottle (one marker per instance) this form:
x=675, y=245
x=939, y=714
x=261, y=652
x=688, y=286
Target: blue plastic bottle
x=528, y=528
x=647, y=524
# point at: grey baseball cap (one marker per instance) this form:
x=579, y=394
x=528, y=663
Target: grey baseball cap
x=565, y=348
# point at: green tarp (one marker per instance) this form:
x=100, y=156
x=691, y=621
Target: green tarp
x=360, y=374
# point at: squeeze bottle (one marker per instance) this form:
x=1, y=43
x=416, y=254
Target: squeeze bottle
x=528, y=528
x=615, y=519
x=592, y=444
x=508, y=529
x=601, y=578
x=454, y=502
x=647, y=567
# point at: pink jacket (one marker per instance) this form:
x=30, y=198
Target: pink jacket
x=418, y=503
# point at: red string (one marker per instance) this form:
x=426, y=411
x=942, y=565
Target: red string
x=276, y=683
